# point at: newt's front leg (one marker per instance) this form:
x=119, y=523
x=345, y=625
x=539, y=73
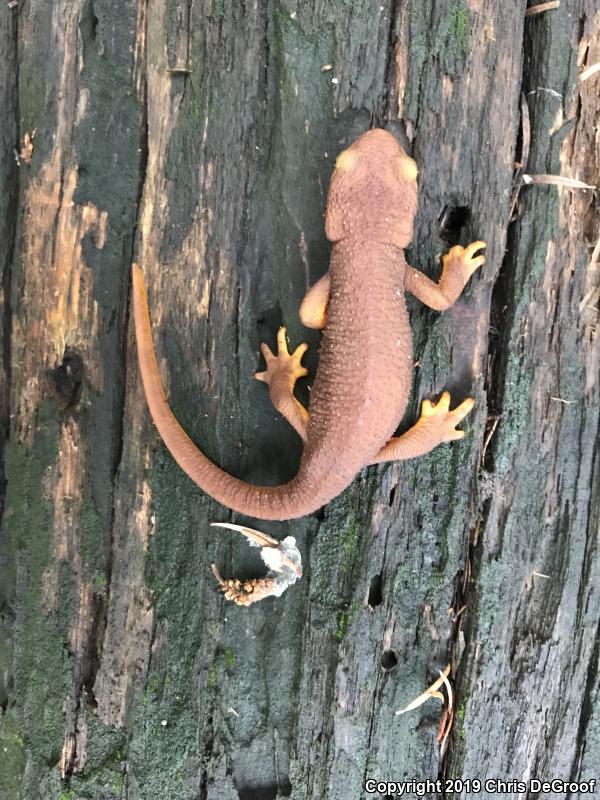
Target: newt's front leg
x=437, y=424
x=283, y=370
x=313, y=309
x=457, y=267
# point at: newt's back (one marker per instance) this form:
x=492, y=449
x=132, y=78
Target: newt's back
x=365, y=364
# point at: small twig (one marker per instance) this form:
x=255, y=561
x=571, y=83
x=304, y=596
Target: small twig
x=541, y=7
x=562, y=400
x=490, y=433
x=589, y=71
x=540, y=574
x=590, y=298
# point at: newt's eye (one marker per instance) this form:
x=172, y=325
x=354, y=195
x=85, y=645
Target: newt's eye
x=345, y=161
x=405, y=168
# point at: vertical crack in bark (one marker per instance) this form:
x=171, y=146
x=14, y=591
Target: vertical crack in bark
x=389, y=81
x=9, y=226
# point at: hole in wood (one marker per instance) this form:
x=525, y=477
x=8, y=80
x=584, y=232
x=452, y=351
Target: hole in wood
x=375, y=596
x=268, y=792
x=66, y=379
x=452, y=220
x=389, y=660
x=268, y=323
x=319, y=514
x=392, y=496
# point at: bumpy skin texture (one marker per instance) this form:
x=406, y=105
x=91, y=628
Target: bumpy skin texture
x=363, y=381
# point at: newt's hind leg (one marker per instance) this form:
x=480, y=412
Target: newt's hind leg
x=283, y=370
x=313, y=309
x=436, y=424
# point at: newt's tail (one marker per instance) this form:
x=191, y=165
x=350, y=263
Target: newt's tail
x=264, y=502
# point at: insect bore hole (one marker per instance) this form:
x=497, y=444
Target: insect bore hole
x=375, y=595
x=389, y=660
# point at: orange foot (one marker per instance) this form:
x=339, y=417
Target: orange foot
x=439, y=417
x=284, y=367
x=462, y=260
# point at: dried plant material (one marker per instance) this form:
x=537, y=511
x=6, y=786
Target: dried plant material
x=456, y=615
x=447, y=718
x=530, y=581
x=525, y=130
x=525, y=144
x=488, y=32
x=432, y=691
x=326, y=67
x=493, y=424
x=541, y=7
x=257, y=538
x=27, y=147
x=282, y=558
x=443, y=725
x=562, y=400
x=590, y=298
x=444, y=728
x=244, y=593
x=589, y=71
x=557, y=180
x=448, y=687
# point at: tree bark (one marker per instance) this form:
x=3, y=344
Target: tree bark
x=198, y=139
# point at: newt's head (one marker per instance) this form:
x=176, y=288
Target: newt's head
x=373, y=191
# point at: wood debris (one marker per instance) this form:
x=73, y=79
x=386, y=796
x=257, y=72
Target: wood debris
x=532, y=11
x=282, y=558
x=27, y=147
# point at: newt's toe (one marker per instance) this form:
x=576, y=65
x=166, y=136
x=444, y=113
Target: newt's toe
x=464, y=259
x=439, y=415
x=283, y=365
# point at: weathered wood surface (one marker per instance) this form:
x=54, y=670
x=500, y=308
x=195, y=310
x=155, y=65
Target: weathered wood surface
x=198, y=138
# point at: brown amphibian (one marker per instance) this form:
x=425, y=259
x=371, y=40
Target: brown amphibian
x=364, y=377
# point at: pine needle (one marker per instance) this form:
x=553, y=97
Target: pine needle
x=557, y=180
x=432, y=691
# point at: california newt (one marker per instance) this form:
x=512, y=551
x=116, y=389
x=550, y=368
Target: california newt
x=364, y=376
